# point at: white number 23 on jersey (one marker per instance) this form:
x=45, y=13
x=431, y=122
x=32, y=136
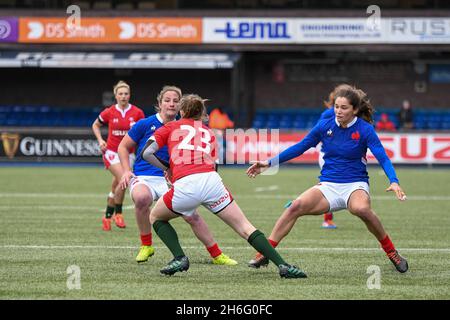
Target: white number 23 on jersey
x=205, y=138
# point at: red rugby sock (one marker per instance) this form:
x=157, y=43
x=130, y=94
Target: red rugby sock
x=387, y=244
x=273, y=243
x=146, y=239
x=214, y=250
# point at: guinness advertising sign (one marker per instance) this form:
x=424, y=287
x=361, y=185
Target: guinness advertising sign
x=49, y=146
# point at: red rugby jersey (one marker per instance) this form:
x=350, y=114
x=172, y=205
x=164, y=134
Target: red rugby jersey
x=192, y=147
x=119, y=122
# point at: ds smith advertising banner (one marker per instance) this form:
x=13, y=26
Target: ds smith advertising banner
x=414, y=148
x=276, y=30
x=111, y=30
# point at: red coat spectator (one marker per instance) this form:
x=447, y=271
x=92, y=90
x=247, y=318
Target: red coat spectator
x=385, y=124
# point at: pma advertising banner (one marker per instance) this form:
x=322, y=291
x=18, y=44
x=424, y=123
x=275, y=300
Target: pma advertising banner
x=248, y=30
x=8, y=29
x=110, y=30
x=425, y=30
x=340, y=30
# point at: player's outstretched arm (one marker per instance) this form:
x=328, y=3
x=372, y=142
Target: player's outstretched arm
x=257, y=167
x=395, y=187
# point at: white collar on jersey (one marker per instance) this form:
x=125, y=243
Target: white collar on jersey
x=160, y=119
x=349, y=125
x=123, y=112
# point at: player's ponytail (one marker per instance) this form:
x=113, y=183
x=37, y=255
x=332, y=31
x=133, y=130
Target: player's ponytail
x=193, y=107
x=365, y=109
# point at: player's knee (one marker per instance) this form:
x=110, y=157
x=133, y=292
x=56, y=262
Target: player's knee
x=362, y=212
x=193, y=219
x=142, y=201
x=297, y=208
x=142, y=198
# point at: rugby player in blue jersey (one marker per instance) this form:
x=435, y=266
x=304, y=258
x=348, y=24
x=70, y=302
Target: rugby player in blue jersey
x=344, y=178
x=328, y=222
x=148, y=184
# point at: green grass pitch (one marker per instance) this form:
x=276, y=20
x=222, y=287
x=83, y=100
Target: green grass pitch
x=51, y=219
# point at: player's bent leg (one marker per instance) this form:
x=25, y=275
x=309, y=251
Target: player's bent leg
x=143, y=199
x=235, y=218
x=359, y=205
x=159, y=218
x=311, y=201
x=161, y=212
x=202, y=232
x=110, y=206
x=119, y=195
x=200, y=229
x=114, y=184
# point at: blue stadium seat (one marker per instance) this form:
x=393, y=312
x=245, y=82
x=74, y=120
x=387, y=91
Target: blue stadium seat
x=285, y=124
x=299, y=124
x=273, y=124
x=286, y=121
x=5, y=109
x=258, y=124
x=434, y=125
x=273, y=117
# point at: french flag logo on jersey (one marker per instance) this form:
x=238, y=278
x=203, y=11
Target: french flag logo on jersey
x=356, y=135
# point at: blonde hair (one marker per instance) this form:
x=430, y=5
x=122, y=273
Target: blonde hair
x=121, y=84
x=193, y=106
x=165, y=89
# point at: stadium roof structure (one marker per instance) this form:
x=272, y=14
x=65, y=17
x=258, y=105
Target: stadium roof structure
x=118, y=60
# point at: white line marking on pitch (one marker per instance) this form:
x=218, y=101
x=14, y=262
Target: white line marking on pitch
x=62, y=207
x=245, y=196
x=355, y=250
x=269, y=188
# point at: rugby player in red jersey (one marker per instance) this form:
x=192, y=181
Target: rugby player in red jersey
x=193, y=151
x=119, y=118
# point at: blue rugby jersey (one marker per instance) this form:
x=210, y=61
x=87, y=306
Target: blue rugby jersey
x=140, y=133
x=344, y=151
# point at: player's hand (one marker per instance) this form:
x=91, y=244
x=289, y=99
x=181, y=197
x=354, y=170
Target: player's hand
x=398, y=191
x=102, y=144
x=125, y=180
x=168, y=176
x=257, y=167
